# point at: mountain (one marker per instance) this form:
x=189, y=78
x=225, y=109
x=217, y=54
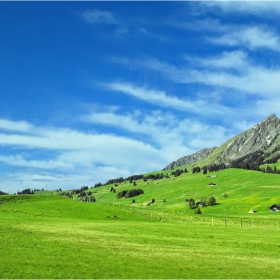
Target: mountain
x=262, y=138
x=191, y=158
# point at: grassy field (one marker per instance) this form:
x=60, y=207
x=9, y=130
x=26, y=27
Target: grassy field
x=48, y=236
x=245, y=190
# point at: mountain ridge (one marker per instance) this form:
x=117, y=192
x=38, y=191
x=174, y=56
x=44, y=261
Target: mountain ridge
x=260, y=137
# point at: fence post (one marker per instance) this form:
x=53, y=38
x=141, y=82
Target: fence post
x=190, y=220
x=252, y=224
x=212, y=222
x=264, y=225
x=241, y=223
x=225, y=222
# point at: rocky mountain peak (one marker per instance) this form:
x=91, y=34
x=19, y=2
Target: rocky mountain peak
x=258, y=138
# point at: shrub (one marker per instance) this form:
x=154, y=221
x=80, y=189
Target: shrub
x=192, y=203
x=130, y=193
x=122, y=194
x=134, y=192
x=198, y=211
x=212, y=201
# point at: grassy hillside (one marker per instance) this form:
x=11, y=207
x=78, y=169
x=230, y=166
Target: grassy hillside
x=244, y=189
x=54, y=237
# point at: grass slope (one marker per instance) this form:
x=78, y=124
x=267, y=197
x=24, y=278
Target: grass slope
x=53, y=237
x=245, y=190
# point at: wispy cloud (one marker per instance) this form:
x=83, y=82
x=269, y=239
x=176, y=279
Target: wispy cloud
x=171, y=135
x=71, y=151
x=153, y=35
x=97, y=16
x=259, y=8
x=20, y=126
x=251, y=37
x=160, y=98
x=227, y=60
x=249, y=77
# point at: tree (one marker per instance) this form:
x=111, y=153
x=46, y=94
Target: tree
x=212, y=201
x=198, y=211
x=192, y=203
x=97, y=185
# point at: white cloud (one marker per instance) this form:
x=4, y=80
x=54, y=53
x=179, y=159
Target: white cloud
x=160, y=98
x=20, y=126
x=174, y=137
x=252, y=37
x=18, y=160
x=75, y=155
x=259, y=8
x=227, y=60
x=249, y=78
x=97, y=16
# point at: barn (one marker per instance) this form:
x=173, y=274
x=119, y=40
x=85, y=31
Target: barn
x=275, y=208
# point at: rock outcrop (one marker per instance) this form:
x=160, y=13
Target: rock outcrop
x=258, y=138
x=191, y=158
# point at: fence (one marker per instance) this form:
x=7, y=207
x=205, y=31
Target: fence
x=164, y=217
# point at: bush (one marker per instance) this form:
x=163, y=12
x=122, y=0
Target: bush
x=192, y=203
x=212, y=201
x=122, y=194
x=130, y=193
x=198, y=211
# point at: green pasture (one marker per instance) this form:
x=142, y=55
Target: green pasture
x=244, y=190
x=47, y=236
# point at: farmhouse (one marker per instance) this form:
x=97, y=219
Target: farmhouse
x=275, y=208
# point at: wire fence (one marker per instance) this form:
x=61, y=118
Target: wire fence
x=223, y=222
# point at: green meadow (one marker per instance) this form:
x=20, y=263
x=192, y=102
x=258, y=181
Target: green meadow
x=47, y=236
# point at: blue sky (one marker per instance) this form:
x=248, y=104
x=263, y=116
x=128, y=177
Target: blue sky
x=97, y=90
